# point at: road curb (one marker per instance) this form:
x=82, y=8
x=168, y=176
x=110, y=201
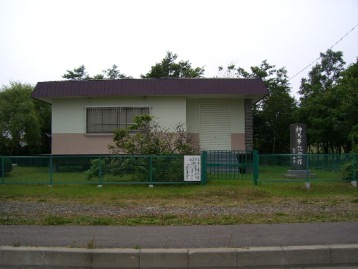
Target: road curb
x=324, y=256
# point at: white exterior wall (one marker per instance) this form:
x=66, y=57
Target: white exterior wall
x=69, y=121
x=69, y=115
x=237, y=116
x=193, y=116
x=168, y=110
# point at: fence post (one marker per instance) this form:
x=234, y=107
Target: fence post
x=354, y=167
x=51, y=170
x=150, y=169
x=100, y=174
x=308, y=184
x=2, y=169
x=203, y=167
x=255, y=171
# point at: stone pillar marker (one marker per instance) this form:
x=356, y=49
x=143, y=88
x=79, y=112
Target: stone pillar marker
x=298, y=143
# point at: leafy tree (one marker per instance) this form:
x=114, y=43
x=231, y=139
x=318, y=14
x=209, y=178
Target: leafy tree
x=273, y=115
x=345, y=101
x=323, y=75
x=44, y=116
x=22, y=125
x=113, y=73
x=169, y=68
x=81, y=74
x=147, y=137
x=78, y=73
x=320, y=102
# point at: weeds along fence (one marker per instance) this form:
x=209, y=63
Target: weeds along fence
x=308, y=167
x=99, y=170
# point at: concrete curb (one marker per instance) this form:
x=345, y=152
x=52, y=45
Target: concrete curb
x=323, y=256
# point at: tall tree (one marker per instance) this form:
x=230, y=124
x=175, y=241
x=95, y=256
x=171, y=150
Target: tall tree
x=319, y=102
x=80, y=73
x=274, y=113
x=114, y=73
x=44, y=116
x=323, y=75
x=169, y=68
x=21, y=121
x=345, y=100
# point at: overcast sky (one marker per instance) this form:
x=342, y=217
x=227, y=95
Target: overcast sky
x=41, y=39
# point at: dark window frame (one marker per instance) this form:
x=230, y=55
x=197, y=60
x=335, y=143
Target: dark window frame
x=107, y=119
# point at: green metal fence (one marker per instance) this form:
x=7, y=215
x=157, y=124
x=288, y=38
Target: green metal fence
x=231, y=164
x=164, y=169
x=311, y=168
x=99, y=170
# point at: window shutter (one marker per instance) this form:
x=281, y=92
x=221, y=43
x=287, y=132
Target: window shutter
x=215, y=125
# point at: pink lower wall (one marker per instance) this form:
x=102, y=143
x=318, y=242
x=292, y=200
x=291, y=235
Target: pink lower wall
x=237, y=141
x=80, y=144
x=98, y=144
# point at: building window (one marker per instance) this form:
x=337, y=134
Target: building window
x=103, y=120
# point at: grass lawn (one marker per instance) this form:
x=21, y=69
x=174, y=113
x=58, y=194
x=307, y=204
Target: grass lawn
x=278, y=174
x=223, y=193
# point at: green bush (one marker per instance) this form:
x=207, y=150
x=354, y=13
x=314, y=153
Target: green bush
x=347, y=171
x=7, y=165
x=136, y=167
x=168, y=169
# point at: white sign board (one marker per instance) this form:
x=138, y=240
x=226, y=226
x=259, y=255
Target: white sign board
x=192, y=168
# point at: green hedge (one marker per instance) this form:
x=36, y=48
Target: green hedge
x=7, y=165
x=347, y=171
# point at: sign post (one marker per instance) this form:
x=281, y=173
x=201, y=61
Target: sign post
x=192, y=168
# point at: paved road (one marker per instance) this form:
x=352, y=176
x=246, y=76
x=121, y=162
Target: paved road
x=302, y=234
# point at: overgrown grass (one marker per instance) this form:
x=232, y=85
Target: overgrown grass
x=229, y=193
x=278, y=174
x=225, y=191
x=41, y=175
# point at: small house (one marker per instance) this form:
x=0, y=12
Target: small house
x=218, y=112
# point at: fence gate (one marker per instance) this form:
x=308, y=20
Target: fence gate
x=231, y=164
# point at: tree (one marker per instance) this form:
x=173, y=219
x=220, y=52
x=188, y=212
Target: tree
x=169, y=68
x=114, y=73
x=22, y=125
x=323, y=75
x=319, y=103
x=80, y=73
x=44, y=116
x=146, y=136
x=346, y=100
x=273, y=115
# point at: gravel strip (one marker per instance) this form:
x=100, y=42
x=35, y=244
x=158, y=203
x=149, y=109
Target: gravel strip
x=32, y=209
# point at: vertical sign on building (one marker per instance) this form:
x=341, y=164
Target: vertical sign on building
x=192, y=168
x=298, y=146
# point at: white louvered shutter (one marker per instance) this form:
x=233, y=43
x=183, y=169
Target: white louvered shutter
x=215, y=125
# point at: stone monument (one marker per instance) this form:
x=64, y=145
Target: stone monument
x=298, y=145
